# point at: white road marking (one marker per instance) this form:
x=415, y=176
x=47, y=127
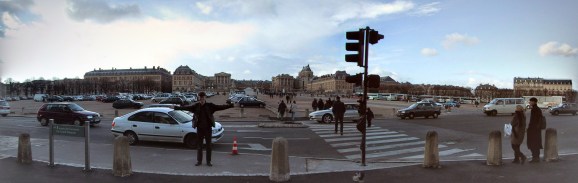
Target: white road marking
x=390, y=153
x=349, y=131
x=252, y=131
x=274, y=138
x=472, y=155
x=381, y=147
x=441, y=153
x=374, y=142
x=256, y=147
x=367, y=138
x=356, y=134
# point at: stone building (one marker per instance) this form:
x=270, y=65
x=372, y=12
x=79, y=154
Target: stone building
x=130, y=80
x=331, y=83
x=186, y=80
x=304, y=78
x=540, y=86
x=283, y=83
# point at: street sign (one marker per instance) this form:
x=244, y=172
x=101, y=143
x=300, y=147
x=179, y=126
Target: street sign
x=69, y=130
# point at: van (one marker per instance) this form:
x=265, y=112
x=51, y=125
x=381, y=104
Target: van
x=502, y=106
x=39, y=97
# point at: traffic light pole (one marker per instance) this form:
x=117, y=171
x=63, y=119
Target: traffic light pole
x=364, y=101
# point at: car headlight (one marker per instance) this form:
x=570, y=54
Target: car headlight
x=402, y=111
x=89, y=117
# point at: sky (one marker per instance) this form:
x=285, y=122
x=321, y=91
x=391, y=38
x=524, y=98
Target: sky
x=453, y=42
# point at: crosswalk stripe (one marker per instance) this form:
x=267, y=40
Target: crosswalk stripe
x=355, y=134
x=374, y=142
x=441, y=153
x=331, y=129
x=381, y=147
x=390, y=153
x=350, y=131
x=367, y=138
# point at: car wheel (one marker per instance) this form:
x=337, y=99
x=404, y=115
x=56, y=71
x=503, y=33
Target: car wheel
x=191, y=141
x=44, y=122
x=556, y=113
x=411, y=116
x=494, y=113
x=132, y=138
x=435, y=115
x=77, y=123
x=327, y=118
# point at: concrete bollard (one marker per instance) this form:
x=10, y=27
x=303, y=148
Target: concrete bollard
x=242, y=111
x=280, y=171
x=115, y=113
x=431, y=154
x=24, y=149
x=393, y=112
x=122, y=166
x=551, y=146
x=307, y=113
x=495, y=148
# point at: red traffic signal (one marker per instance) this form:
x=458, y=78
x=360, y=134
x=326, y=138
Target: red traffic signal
x=357, y=79
x=374, y=36
x=355, y=46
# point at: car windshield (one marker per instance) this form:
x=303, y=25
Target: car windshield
x=494, y=101
x=75, y=107
x=181, y=116
x=413, y=106
x=560, y=105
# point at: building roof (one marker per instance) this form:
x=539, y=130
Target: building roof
x=184, y=70
x=130, y=71
x=306, y=68
x=388, y=79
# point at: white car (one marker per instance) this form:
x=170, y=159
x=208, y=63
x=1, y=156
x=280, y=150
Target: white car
x=326, y=116
x=160, y=124
x=4, y=108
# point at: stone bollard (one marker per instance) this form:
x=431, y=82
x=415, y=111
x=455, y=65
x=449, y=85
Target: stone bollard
x=242, y=111
x=24, y=149
x=431, y=157
x=280, y=161
x=115, y=113
x=307, y=113
x=122, y=166
x=551, y=145
x=393, y=112
x=495, y=148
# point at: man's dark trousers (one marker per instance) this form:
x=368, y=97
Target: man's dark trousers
x=339, y=121
x=204, y=134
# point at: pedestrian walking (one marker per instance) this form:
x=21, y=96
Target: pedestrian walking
x=288, y=97
x=203, y=121
x=534, y=131
x=518, y=133
x=293, y=110
x=314, y=104
x=320, y=105
x=338, y=111
x=369, y=117
x=477, y=103
x=281, y=109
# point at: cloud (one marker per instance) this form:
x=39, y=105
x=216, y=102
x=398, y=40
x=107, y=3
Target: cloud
x=10, y=12
x=205, y=9
x=426, y=9
x=456, y=38
x=555, y=49
x=429, y=52
x=100, y=11
x=247, y=72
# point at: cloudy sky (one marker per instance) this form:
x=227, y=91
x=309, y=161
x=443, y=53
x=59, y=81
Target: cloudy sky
x=454, y=42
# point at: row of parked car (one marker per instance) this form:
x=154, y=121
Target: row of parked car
x=245, y=101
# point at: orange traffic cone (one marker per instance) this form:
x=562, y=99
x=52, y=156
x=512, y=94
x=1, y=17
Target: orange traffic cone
x=235, y=152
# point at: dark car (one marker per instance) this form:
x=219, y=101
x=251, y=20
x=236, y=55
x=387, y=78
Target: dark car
x=422, y=109
x=175, y=100
x=564, y=108
x=68, y=98
x=452, y=104
x=54, y=98
x=66, y=113
x=126, y=103
x=250, y=101
x=110, y=99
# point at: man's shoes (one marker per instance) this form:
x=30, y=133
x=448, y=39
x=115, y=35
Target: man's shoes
x=198, y=164
x=209, y=164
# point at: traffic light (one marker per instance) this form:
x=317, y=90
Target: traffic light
x=357, y=79
x=373, y=81
x=374, y=36
x=355, y=46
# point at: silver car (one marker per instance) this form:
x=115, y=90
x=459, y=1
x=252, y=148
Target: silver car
x=4, y=108
x=326, y=116
x=160, y=124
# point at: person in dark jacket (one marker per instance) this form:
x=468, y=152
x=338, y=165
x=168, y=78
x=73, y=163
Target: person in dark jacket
x=281, y=109
x=320, y=105
x=314, y=104
x=369, y=117
x=203, y=121
x=338, y=111
x=534, y=132
x=518, y=133
x=328, y=104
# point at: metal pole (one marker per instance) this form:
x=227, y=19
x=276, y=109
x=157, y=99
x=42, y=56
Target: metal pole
x=87, y=146
x=51, y=142
x=364, y=100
